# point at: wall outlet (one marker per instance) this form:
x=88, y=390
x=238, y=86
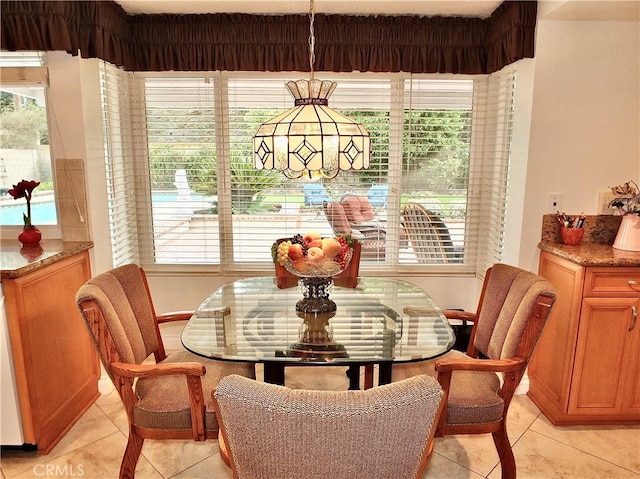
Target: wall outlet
x=554, y=202
x=604, y=200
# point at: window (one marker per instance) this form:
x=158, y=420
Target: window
x=24, y=138
x=183, y=146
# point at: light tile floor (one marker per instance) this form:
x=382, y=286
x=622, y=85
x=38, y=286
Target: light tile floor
x=93, y=447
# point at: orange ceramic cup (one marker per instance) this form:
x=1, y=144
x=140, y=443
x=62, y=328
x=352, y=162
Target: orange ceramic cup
x=571, y=236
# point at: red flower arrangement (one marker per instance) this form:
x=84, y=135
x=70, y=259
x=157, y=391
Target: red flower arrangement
x=24, y=189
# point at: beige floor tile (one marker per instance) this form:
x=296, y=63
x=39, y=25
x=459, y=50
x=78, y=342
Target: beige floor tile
x=89, y=428
x=93, y=425
x=98, y=460
x=475, y=452
x=317, y=377
x=442, y=468
x=522, y=411
x=538, y=457
x=211, y=468
x=617, y=444
x=112, y=406
x=171, y=457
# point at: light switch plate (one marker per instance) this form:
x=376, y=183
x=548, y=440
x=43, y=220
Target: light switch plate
x=604, y=200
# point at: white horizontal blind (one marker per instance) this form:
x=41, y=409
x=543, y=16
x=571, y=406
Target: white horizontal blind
x=121, y=190
x=442, y=143
x=490, y=158
x=265, y=205
x=435, y=171
x=176, y=129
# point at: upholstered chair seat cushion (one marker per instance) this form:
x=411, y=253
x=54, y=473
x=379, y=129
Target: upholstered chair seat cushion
x=473, y=396
x=164, y=401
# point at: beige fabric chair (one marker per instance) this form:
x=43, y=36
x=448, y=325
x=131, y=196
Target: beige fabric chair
x=276, y=432
x=513, y=308
x=171, y=398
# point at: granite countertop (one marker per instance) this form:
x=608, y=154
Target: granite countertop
x=593, y=254
x=596, y=247
x=17, y=261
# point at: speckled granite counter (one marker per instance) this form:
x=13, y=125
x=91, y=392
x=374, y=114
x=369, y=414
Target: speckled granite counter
x=17, y=261
x=595, y=249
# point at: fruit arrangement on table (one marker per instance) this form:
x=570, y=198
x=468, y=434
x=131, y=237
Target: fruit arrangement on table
x=311, y=255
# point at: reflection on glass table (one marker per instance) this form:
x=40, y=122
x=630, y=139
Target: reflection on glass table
x=381, y=321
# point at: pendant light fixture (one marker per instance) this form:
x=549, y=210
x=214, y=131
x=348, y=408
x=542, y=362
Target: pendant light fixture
x=311, y=139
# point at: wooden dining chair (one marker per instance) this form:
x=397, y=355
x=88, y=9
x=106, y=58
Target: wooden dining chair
x=169, y=398
x=479, y=385
x=271, y=431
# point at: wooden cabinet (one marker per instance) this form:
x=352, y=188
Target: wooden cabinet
x=55, y=364
x=586, y=368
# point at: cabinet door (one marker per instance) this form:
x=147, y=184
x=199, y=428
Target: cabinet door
x=55, y=363
x=631, y=403
x=606, y=354
x=551, y=366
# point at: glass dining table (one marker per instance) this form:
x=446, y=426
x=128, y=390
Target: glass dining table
x=381, y=321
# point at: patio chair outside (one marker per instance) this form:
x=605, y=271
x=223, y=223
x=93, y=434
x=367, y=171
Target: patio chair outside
x=429, y=236
x=314, y=194
x=378, y=195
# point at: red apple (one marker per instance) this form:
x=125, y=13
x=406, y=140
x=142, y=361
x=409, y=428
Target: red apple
x=315, y=255
x=295, y=251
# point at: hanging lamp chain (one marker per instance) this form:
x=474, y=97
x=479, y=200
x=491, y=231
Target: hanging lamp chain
x=312, y=37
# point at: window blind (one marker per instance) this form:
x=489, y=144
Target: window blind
x=490, y=158
x=435, y=172
x=121, y=187
x=439, y=142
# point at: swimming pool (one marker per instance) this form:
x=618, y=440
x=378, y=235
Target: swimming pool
x=41, y=213
x=44, y=213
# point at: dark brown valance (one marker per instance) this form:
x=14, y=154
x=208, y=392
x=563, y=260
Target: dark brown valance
x=241, y=42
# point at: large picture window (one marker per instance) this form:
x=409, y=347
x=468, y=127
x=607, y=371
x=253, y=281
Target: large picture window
x=438, y=173
x=24, y=138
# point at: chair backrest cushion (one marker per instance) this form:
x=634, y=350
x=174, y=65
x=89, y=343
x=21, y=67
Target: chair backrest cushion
x=509, y=299
x=337, y=218
x=274, y=431
x=358, y=209
x=126, y=307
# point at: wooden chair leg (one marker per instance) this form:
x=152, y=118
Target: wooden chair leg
x=224, y=453
x=507, y=461
x=131, y=455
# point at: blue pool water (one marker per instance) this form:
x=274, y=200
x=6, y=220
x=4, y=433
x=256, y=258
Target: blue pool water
x=45, y=213
x=41, y=214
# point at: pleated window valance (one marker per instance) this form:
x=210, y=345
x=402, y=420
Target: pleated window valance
x=242, y=42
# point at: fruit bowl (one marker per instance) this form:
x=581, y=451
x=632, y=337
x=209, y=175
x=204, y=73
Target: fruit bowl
x=314, y=261
x=312, y=256
x=325, y=268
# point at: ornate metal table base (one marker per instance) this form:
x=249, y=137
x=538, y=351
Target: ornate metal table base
x=316, y=337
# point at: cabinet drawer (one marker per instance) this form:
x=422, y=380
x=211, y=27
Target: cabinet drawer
x=623, y=282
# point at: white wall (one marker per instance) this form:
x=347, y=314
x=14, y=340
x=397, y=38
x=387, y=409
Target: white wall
x=578, y=135
x=585, y=119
